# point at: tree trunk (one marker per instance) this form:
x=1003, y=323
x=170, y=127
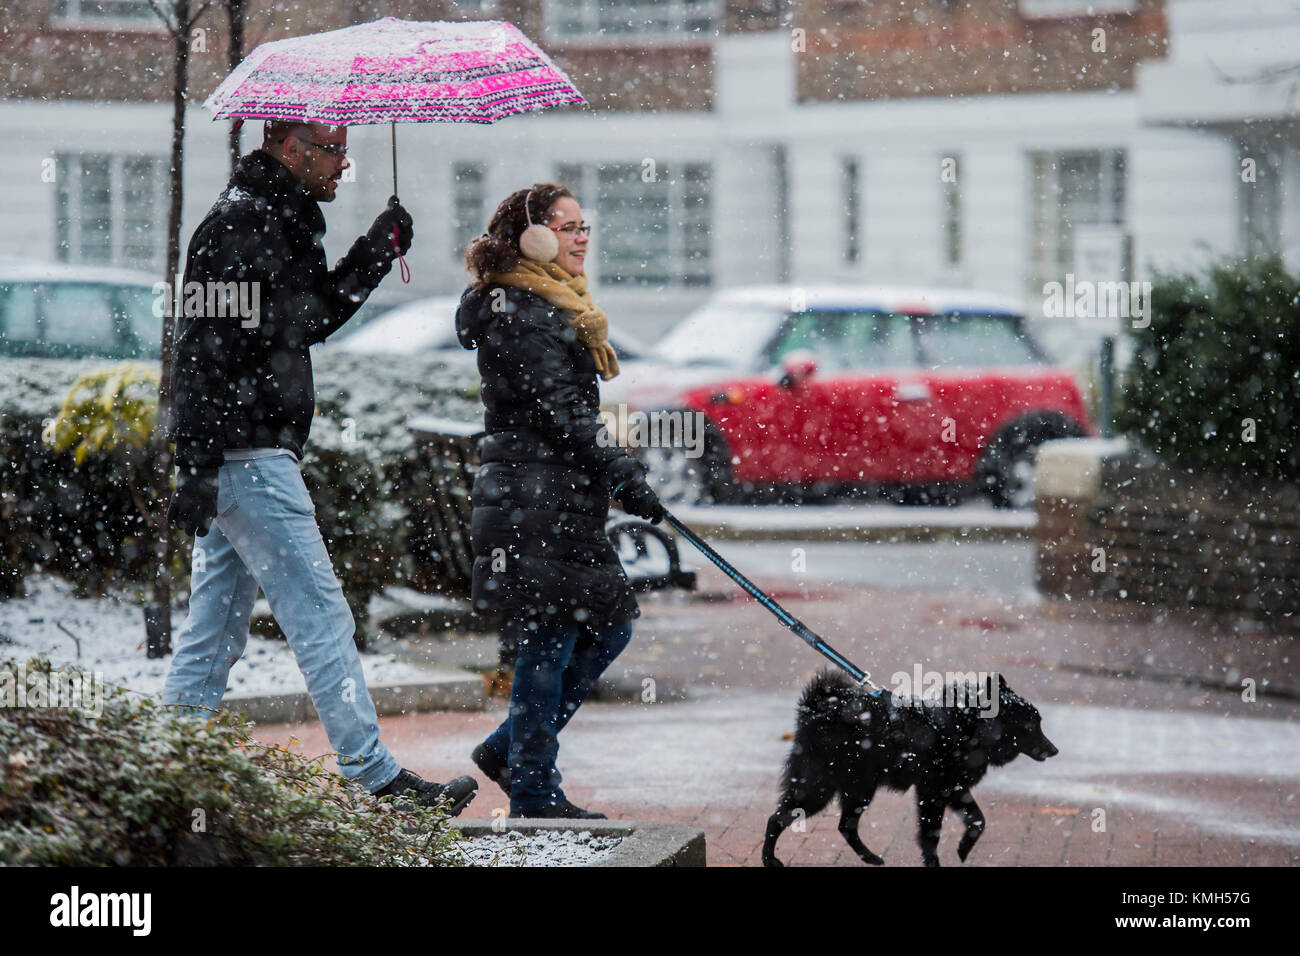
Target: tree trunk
x=162, y=590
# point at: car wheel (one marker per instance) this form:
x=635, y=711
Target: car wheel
x=1013, y=482
x=1007, y=473
x=678, y=479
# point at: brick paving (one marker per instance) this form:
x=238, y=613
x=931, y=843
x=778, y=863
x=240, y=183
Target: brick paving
x=1151, y=771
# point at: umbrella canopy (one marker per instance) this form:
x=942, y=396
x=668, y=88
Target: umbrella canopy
x=395, y=71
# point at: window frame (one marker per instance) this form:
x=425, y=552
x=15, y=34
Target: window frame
x=69, y=210
x=1051, y=232
x=77, y=18
x=584, y=180
x=479, y=169
x=592, y=37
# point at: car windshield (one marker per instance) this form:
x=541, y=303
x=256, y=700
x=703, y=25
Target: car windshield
x=720, y=334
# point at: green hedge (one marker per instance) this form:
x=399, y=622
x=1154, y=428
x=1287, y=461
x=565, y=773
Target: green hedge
x=81, y=522
x=135, y=785
x=1222, y=351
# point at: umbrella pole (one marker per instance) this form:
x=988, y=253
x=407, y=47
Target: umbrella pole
x=393, y=130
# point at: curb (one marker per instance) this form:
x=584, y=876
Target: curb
x=644, y=844
x=867, y=524
x=440, y=690
x=477, y=654
x=1280, y=691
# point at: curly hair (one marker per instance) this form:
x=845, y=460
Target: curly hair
x=497, y=250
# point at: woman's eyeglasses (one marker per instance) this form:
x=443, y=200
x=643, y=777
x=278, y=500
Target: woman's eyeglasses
x=572, y=229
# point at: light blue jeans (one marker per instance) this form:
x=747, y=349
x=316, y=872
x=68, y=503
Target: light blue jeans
x=265, y=535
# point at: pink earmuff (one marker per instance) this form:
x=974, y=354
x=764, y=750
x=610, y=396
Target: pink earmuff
x=537, y=242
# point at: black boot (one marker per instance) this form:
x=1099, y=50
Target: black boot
x=427, y=793
x=561, y=810
x=495, y=767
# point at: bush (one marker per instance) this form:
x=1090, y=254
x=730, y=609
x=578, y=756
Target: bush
x=1222, y=352
x=359, y=465
x=140, y=786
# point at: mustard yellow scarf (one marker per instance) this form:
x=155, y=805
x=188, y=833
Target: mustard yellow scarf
x=569, y=292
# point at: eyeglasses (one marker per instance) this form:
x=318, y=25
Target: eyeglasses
x=334, y=149
x=572, y=229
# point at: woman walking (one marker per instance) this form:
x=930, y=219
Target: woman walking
x=548, y=470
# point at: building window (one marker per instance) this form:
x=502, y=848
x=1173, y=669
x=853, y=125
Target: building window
x=1060, y=9
x=109, y=12
x=474, y=8
x=652, y=222
x=469, y=214
x=1260, y=198
x=849, y=178
x=1071, y=189
x=950, y=182
x=613, y=19
x=109, y=209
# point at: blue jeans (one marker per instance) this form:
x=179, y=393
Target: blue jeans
x=265, y=535
x=556, y=668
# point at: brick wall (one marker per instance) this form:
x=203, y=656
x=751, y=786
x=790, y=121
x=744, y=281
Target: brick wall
x=865, y=51
x=1174, y=539
x=80, y=62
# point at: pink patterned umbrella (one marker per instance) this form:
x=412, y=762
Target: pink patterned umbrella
x=395, y=71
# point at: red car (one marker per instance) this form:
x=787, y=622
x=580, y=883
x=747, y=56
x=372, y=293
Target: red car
x=931, y=394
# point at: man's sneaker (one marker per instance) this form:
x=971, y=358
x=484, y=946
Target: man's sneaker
x=493, y=766
x=427, y=793
x=561, y=810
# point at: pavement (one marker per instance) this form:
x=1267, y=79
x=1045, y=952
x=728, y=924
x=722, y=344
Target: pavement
x=1166, y=756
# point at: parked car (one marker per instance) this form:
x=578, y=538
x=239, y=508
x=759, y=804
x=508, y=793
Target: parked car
x=61, y=310
x=932, y=394
x=57, y=310
x=426, y=326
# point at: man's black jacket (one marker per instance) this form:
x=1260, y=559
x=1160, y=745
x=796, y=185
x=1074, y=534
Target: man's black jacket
x=235, y=387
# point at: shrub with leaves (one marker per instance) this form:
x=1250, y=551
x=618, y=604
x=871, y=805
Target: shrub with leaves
x=139, y=785
x=1214, y=385
x=83, y=522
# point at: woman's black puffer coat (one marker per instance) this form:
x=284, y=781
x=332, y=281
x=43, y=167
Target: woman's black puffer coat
x=541, y=495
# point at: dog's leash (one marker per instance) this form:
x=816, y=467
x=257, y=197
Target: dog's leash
x=785, y=617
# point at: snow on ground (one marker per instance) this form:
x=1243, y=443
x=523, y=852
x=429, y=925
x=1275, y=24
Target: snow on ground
x=543, y=848
x=106, y=636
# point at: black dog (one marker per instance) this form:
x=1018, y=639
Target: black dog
x=848, y=741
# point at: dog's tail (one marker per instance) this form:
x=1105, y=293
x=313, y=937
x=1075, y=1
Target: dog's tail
x=829, y=697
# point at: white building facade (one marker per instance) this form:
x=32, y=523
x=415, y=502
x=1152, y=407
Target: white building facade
x=980, y=191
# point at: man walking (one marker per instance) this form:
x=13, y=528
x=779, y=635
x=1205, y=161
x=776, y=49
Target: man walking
x=243, y=401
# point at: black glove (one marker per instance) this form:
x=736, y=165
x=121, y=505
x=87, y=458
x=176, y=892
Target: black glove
x=638, y=498
x=380, y=233
x=195, y=503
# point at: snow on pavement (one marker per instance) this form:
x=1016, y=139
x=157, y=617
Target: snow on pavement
x=106, y=636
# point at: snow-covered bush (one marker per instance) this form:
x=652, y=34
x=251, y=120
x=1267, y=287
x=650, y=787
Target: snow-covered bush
x=1214, y=385
x=360, y=467
x=139, y=786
